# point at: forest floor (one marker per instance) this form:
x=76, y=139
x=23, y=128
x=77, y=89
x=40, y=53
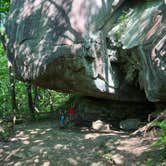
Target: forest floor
x=45, y=144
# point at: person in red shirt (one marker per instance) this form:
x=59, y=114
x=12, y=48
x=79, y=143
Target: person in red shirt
x=72, y=112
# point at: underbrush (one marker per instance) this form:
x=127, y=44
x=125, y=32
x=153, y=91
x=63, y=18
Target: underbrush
x=162, y=139
x=6, y=131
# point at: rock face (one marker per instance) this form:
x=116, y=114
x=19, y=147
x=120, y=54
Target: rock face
x=106, y=49
x=89, y=109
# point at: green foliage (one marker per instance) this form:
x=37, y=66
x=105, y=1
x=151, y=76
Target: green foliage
x=131, y=66
x=162, y=139
x=107, y=155
x=4, y=7
x=105, y=152
x=123, y=17
x=122, y=24
x=149, y=163
x=5, y=108
x=4, y=136
x=49, y=98
x=6, y=130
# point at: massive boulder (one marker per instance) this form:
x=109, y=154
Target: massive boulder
x=106, y=49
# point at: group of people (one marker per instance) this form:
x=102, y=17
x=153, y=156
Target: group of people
x=64, y=119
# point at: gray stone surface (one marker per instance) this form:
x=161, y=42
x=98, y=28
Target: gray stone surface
x=100, y=126
x=72, y=46
x=90, y=110
x=130, y=124
x=143, y=27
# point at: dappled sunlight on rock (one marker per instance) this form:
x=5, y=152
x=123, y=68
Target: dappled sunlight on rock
x=62, y=45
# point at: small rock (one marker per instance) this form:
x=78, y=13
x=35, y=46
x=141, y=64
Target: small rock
x=130, y=124
x=97, y=125
x=100, y=125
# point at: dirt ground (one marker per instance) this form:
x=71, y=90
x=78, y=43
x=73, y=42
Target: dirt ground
x=45, y=144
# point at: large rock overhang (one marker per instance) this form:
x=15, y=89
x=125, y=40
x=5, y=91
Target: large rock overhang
x=61, y=45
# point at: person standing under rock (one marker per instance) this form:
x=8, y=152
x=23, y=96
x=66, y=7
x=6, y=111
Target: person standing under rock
x=62, y=119
x=72, y=113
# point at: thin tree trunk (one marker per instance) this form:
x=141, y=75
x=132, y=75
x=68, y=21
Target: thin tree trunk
x=51, y=101
x=36, y=99
x=30, y=100
x=12, y=83
x=13, y=93
x=2, y=39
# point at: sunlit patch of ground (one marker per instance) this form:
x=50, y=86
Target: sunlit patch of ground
x=43, y=143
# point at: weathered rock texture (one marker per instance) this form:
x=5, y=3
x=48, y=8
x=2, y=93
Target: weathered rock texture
x=106, y=49
x=90, y=109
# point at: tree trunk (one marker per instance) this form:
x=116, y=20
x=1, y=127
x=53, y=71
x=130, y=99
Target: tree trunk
x=2, y=39
x=12, y=83
x=30, y=100
x=12, y=92
x=51, y=101
x=36, y=99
